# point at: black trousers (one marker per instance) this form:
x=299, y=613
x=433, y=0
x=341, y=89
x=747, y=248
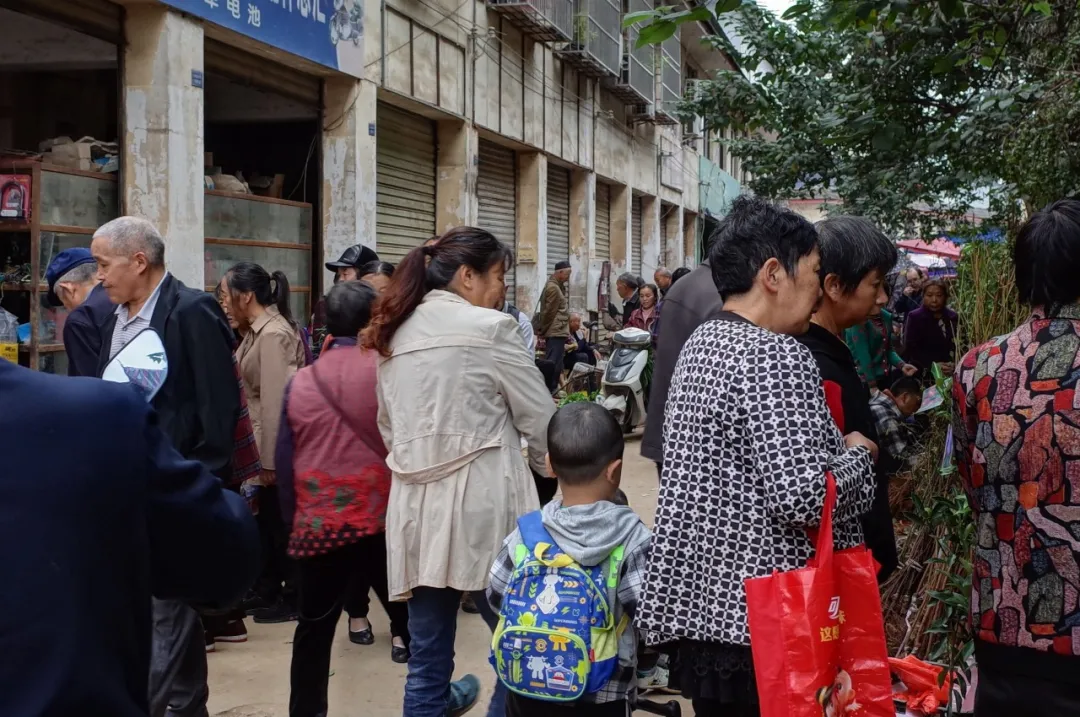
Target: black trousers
x=1004, y=694
x=555, y=352
x=324, y=583
x=715, y=708
x=517, y=706
x=277, y=578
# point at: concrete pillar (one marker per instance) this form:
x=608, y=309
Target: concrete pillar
x=690, y=234
x=456, y=202
x=651, y=251
x=162, y=151
x=585, y=277
x=672, y=216
x=348, y=167
x=532, y=228
x=622, y=202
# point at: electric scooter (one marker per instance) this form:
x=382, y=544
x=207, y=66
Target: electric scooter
x=622, y=391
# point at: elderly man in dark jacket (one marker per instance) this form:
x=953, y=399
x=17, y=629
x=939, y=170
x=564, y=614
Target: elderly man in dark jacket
x=72, y=280
x=689, y=303
x=110, y=515
x=199, y=406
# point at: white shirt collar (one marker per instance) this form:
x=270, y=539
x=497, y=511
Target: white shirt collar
x=147, y=310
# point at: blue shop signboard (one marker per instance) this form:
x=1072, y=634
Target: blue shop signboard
x=329, y=32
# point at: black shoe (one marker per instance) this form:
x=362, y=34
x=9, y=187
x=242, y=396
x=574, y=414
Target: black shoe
x=280, y=611
x=399, y=655
x=252, y=602
x=468, y=605
x=362, y=637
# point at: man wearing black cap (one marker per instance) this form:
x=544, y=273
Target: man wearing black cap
x=554, y=317
x=346, y=268
x=73, y=284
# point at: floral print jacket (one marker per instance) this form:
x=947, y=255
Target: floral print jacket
x=1017, y=432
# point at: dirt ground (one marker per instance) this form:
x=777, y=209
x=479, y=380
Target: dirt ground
x=252, y=679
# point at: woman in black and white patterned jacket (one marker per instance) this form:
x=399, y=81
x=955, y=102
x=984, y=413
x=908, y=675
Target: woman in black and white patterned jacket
x=748, y=439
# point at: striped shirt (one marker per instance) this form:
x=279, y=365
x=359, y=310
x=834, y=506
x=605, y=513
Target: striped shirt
x=127, y=328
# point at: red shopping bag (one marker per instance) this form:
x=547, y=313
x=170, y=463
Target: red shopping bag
x=864, y=656
x=816, y=634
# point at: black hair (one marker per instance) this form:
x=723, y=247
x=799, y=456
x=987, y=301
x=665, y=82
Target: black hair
x=377, y=267
x=753, y=232
x=583, y=440
x=653, y=288
x=852, y=248
x=678, y=274
x=427, y=268
x=906, y=384
x=269, y=289
x=348, y=307
x=1046, y=257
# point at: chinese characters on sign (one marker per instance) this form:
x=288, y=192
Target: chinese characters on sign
x=328, y=32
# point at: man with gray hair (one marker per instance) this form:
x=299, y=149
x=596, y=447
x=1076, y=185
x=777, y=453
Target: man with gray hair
x=73, y=284
x=198, y=407
x=662, y=279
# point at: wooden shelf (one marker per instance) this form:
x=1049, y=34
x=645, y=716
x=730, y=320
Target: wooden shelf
x=56, y=169
x=13, y=286
x=256, y=198
x=10, y=226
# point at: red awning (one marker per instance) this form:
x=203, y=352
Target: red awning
x=938, y=247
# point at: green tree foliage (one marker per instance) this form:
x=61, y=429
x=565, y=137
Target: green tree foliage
x=892, y=103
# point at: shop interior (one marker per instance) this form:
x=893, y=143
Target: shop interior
x=263, y=182
x=59, y=108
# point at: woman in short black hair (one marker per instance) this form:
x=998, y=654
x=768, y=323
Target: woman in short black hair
x=747, y=444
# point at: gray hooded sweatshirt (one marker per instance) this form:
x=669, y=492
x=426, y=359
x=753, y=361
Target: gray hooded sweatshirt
x=588, y=534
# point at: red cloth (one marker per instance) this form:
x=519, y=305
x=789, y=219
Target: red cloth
x=923, y=695
x=246, y=462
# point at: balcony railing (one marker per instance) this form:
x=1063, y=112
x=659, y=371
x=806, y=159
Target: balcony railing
x=543, y=20
x=669, y=80
x=596, y=49
x=636, y=83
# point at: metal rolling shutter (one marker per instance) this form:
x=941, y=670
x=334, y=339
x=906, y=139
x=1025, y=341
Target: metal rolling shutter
x=558, y=219
x=404, y=182
x=603, y=222
x=635, y=236
x=496, y=193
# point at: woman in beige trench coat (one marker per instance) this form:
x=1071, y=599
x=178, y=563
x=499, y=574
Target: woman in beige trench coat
x=457, y=392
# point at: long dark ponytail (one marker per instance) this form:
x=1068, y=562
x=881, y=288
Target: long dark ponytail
x=269, y=289
x=427, y=268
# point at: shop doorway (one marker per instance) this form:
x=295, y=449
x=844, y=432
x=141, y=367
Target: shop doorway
x=59, y=158
x=262, y=171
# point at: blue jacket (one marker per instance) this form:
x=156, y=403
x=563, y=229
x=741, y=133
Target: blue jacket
x=97, y=513
x=82, y=333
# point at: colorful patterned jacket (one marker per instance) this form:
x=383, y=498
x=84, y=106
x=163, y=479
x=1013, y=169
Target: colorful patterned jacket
x=1017, y=432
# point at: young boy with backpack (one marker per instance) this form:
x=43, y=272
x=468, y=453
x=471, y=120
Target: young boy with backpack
x=566, y=583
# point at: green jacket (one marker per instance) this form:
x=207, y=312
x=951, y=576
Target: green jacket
x=554, y=311
x=872, y=350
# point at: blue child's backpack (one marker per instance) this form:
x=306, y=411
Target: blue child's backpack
x=556, y=639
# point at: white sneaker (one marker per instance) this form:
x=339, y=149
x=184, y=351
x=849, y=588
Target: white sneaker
x=655, y=681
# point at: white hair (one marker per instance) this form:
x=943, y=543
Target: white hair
x=131, y=235
x=82, y=274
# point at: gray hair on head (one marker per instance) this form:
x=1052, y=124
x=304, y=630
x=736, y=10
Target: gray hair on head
x=662, y=271
x=130, y=235
x=629, y=279
x=82, y=274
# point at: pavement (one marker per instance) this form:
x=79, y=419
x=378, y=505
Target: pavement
x=251, y=679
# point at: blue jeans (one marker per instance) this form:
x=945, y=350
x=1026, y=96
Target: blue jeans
x=433, y=616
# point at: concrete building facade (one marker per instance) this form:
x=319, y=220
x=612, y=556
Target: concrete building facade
x=535, y=119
